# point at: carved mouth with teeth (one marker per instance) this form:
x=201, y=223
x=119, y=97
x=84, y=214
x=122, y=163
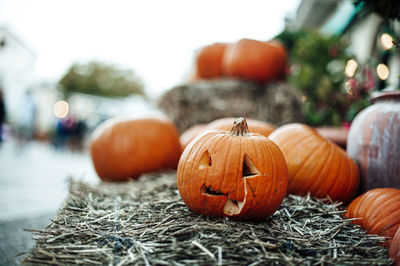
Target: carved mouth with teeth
x=231, y=207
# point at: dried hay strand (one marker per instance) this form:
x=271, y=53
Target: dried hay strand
x=145, y=222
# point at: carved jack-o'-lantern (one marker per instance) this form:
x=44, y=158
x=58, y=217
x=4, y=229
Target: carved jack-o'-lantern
x=234, y=174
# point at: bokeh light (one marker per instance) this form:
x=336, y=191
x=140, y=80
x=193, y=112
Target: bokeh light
x=383, y=71
x=351, y=68
x=386, y=41
x=61, y=109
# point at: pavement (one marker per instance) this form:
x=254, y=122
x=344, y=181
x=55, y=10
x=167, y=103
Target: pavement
x=33, y=185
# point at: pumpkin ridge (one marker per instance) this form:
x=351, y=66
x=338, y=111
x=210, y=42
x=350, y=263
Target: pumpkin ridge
x=338, y=180
x=375, y=203
x=274, y=172
x=238, y=177
x=383, y=216
x=264, y=150
x=361, y=210
x=263, y=162
x=282, y=171
x=288, y=152
x=357, y=209
x=321, y=177
x=226, y=164
x=315, y=170
x=294, y=177
x=353, y=181
x=350, y=213
x=333, y=175
x=376, y=214
x=384, y=226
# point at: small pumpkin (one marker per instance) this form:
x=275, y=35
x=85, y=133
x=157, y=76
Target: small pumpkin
x=255, y=60
x=255, y=126
x=232, y=173
x=394, y=249
x=123, y=149
x=315, y=164
x=189, y=134
x=209, y=60
x=379, y=209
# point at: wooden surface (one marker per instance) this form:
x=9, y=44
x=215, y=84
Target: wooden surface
x=337, y=135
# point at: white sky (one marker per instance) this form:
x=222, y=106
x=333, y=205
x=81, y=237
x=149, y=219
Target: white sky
x=157, y=39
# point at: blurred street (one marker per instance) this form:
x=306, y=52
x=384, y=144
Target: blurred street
x=33, y=184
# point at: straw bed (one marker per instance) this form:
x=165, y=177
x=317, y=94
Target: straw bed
x=145, y=222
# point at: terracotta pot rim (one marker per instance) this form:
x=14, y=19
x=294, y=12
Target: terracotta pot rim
x=385, y=95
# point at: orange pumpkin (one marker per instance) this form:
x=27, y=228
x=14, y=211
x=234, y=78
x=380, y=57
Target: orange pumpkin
x=232, y=173
x=123, y=149
x=394, y=250
x=255, y=60
x=315, y=164
x=379, y=209
x=209, y=60
x=189, y=134
x=255, y=126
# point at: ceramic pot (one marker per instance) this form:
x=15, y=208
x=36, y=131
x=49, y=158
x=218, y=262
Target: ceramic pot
x=374, y=142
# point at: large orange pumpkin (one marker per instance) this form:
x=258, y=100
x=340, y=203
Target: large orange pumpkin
x=123, y=149
x=315, y=164
x=379, y=209
x=232, y=173
x=209, y=60
x=255, y=60
x=394, y=250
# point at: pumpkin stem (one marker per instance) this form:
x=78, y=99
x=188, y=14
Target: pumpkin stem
x=239, y=127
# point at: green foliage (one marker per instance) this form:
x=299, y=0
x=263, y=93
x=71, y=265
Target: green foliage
x=289, y=38
x=317, y=71
x=100, y=79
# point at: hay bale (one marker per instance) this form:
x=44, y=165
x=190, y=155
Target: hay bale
x=145, y=222
x=207, y=100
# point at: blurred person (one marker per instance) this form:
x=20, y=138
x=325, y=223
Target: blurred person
x=26, y=119
x=66, y=133
x=60, y=136
x=78, y=135
x=2, y=114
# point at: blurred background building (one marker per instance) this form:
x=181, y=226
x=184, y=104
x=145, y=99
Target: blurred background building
x=17, y=63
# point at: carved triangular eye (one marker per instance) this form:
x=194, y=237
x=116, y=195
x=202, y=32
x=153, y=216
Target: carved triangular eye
x=249, y=168
x=205, y=160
